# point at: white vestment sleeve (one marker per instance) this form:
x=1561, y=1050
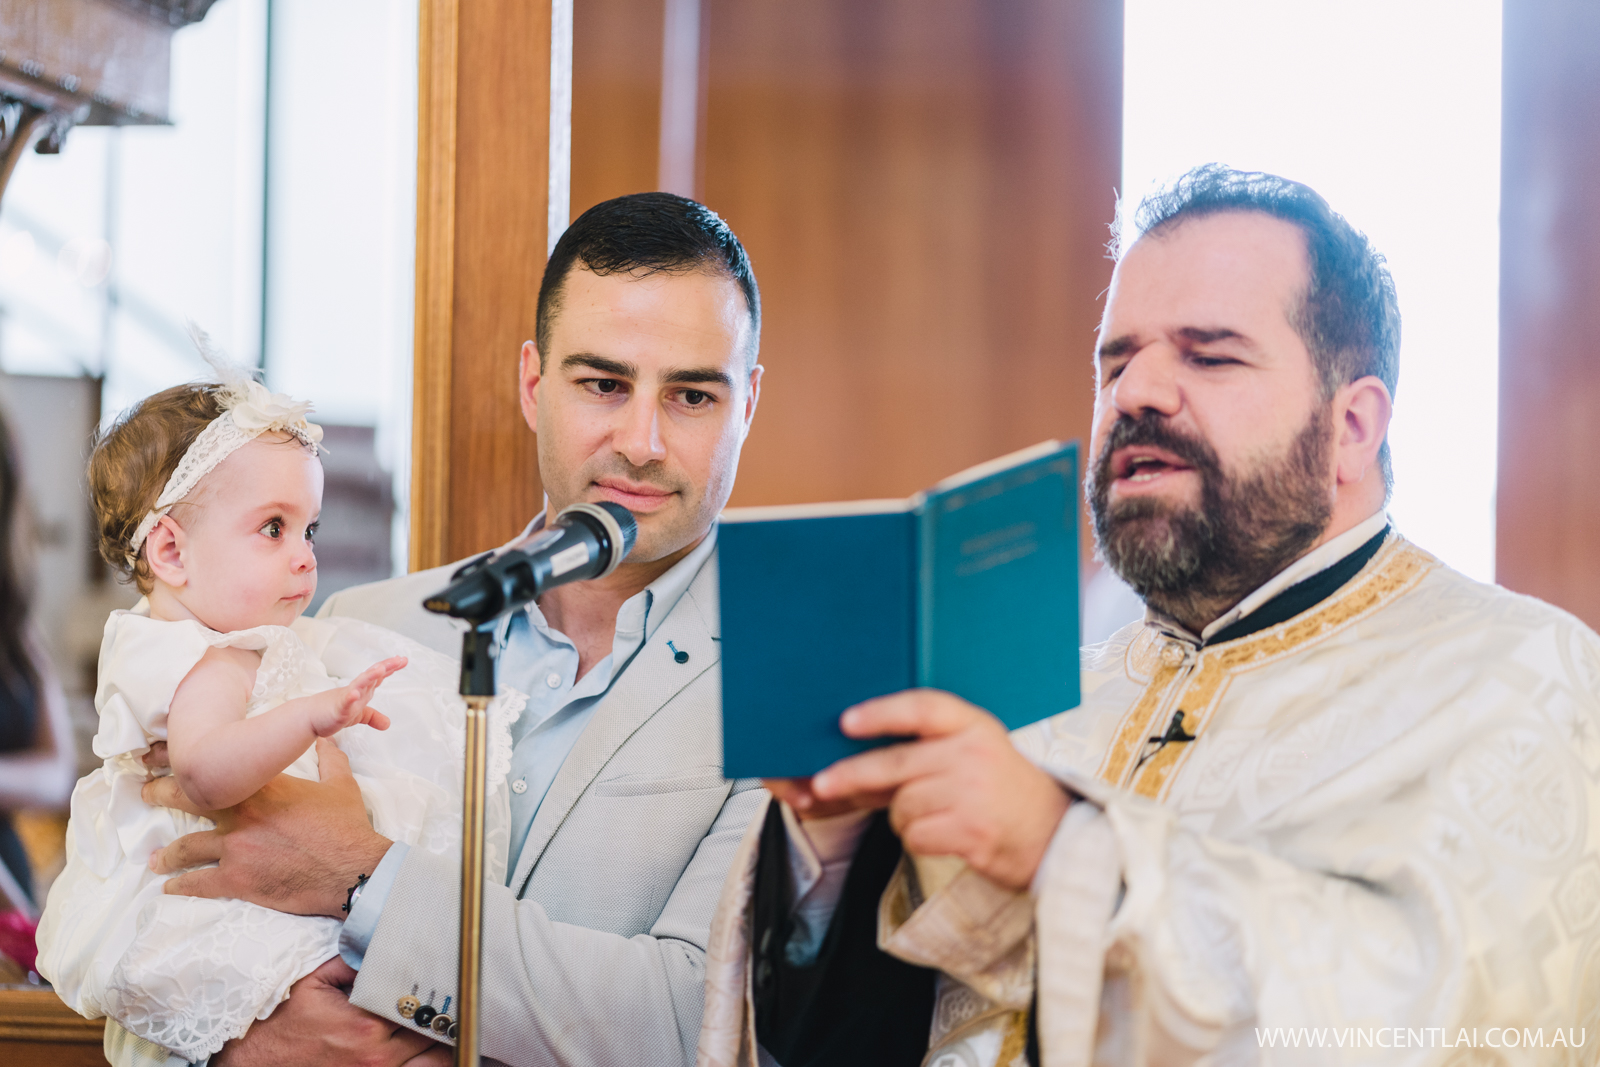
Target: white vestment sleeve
x=1184, y=946
x=1160, y=945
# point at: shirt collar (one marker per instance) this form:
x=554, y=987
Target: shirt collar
x=1312, y=563
x=667, y=590
x=650, y=605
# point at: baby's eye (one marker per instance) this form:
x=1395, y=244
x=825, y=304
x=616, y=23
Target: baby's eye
x=273, y=529
x=311, y=531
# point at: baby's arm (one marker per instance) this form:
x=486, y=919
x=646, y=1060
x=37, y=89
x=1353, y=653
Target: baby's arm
x=220, y=757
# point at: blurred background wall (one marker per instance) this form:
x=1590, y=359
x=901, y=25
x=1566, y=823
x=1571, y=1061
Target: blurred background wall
x=276, y=211
x=924, y=189
x=1548, y=518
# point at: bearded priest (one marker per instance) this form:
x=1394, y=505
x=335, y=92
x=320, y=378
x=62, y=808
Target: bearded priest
x=1328, y=792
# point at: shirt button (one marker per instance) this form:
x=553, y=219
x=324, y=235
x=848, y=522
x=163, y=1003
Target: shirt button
x=553, y=680
x=519, y=786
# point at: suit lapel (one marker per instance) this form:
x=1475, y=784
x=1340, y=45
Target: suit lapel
x=647, y=684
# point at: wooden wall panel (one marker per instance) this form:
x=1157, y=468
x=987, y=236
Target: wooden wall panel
x=1548, y=521
x=616, y=98
x=924, y=187
x=482, y=198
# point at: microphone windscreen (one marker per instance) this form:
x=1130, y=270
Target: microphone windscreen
x=625, y=522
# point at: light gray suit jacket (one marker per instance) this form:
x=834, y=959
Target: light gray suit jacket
x=596, y=952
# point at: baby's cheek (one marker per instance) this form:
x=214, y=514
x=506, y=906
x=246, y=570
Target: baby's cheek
x=256, y=597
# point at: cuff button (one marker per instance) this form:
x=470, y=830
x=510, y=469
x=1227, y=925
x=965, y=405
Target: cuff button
x=408, y=1006
x=451, y=1033
x=425, y=1015
x=440, y=1024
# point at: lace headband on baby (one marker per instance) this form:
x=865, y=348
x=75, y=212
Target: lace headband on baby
x=248, y=411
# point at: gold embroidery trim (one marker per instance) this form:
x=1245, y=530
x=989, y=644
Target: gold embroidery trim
x=1014, y=1047
x=1012, y=1026
x=1136, y=726
x=1397, y=568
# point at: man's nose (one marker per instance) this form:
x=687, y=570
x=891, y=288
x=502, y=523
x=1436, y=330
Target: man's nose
x=1149, y=382
x=638, y=439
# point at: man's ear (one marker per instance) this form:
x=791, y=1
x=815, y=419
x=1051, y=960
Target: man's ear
x=164, y=550
x=752, y=398
x=529, y=376
x=1361, y=414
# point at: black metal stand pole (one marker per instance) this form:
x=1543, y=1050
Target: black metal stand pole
x=478, y=687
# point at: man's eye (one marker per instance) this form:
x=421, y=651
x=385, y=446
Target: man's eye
x=694, y=397
x=606, y=385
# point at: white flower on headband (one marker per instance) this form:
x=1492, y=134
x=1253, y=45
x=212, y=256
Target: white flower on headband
x=248, y=411
x=255, y=411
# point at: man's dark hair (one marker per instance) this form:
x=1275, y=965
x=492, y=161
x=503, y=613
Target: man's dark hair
x=1348, y=316
x=650, y=232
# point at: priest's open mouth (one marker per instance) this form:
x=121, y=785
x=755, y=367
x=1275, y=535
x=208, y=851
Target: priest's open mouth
x=1139, y=466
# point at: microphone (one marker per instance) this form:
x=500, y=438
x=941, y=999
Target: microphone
x=584, y=541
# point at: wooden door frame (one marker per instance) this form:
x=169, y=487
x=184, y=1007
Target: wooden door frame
x=493, y=109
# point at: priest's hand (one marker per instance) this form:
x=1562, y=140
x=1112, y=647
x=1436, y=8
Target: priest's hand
x=960, y=789
x=798, y=794
x=294, y=846
x=319, y=1027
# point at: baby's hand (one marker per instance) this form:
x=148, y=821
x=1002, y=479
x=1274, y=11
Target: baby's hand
x=348, y=706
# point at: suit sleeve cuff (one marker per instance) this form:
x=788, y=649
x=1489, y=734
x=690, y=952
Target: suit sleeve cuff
x=363, y=918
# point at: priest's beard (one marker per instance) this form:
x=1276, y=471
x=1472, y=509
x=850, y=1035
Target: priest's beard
x=1194, y=563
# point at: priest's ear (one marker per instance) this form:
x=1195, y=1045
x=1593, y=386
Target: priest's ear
x=164, y=550
x=1361, y=413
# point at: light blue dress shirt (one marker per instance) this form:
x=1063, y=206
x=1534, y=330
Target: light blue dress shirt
x=543, y=663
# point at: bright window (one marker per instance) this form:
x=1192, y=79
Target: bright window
x=1391, y=110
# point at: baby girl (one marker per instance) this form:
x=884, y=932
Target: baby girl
x=207, y=497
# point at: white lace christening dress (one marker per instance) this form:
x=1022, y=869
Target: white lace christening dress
x=189, y=973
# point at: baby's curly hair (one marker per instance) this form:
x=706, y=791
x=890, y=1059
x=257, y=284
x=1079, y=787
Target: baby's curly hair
x=131, y=463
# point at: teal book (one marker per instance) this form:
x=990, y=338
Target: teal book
x=970, y=587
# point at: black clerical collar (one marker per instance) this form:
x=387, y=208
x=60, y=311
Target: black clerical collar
x=1302, y=596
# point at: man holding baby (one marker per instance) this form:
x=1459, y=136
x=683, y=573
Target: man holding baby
x=641, y=386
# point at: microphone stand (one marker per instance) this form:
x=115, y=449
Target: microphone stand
x=478, y=688
x=491, y=589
